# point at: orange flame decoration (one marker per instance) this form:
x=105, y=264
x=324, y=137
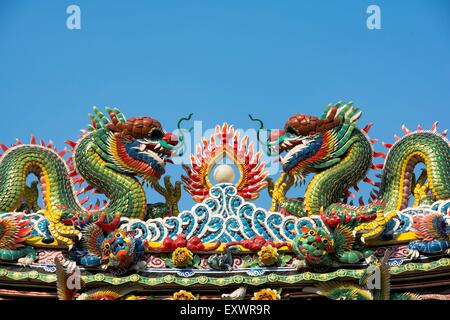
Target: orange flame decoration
x=208, y=153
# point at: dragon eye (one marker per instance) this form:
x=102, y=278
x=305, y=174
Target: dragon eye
x=106, y=246
x=156, y=134
x=325, y=241
x=118, y=235
x=311, y=232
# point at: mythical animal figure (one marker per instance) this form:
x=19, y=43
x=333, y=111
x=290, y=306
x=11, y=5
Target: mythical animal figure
x=223, y=261
x=108, y=246
x=432, y=230
x=319, y=249
x=340, y=155
x=14, y=230
x=110, y=156
x=374, y=284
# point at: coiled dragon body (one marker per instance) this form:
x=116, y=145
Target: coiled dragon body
x=340, y=155
x=110, y=157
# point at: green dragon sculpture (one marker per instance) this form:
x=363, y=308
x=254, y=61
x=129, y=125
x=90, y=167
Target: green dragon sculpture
x=319, y=249
x=107, y=246
x=110, y=156
x=340, y=155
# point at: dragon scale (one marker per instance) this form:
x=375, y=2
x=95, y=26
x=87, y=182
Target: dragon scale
x=341, y=155
x=327, y=187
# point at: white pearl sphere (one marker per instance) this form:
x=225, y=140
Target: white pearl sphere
x=224, y=173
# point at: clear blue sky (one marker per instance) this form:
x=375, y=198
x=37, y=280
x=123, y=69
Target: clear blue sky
x=221, y=60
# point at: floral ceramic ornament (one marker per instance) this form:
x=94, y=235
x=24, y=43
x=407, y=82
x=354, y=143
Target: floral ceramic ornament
x=182, y=257
x=267, y=294
x=183, y=295
x=268, y=255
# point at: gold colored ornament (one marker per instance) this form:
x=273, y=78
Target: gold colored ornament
x=266, y=294
x=183, y=295
x=182, y=257
x=268, y=255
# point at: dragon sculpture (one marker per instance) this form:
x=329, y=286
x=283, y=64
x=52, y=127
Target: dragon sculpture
x=108, y=246
x=224, y=236
x=110, y=156
x=320, y=249
x=340, y=155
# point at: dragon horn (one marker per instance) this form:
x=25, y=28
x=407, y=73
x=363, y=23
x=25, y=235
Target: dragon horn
x=119, y=115
x=184, y=119
x=181, y=142
x=267, y=144
x=100, y=115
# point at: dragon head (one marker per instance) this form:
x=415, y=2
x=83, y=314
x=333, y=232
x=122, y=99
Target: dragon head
x=138, y=146
x=314, y=245
x=119, y=249
x=312, y=143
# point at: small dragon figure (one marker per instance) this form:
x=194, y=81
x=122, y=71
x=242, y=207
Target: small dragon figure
x=14, y=230
x=340, y=155
x=122, y=251
x=116, y=249
x=319, y=249
x=223, y=261
x=432, y=229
